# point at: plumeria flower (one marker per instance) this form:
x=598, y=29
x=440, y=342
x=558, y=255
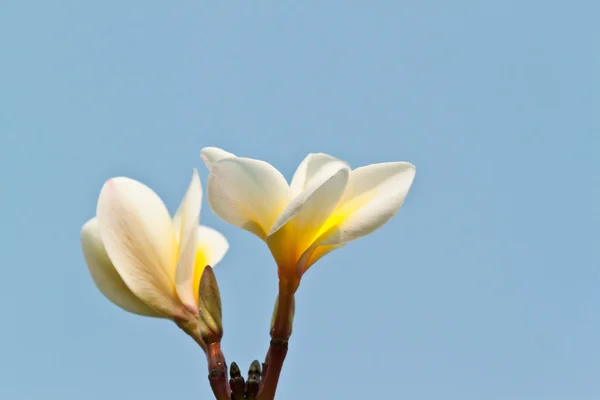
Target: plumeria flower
x=143, y=260
x=326, y=205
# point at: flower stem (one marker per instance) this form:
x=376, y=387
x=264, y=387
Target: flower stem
x=217, y=372
x=280, y=334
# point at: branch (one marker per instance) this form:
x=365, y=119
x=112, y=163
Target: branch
x=280, y=334
x=217, y=372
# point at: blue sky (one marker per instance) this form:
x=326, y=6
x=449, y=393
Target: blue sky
x=484, y=286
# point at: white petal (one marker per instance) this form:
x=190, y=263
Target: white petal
x=247, y=193
x=302, y=221
x=308, y=169
x=177, y=217
x=313, y=254
x=104, y=274
x=211, y=155
x=138, y=235
x=314, y=203
x=328, y=240
x=374, y=194
x=212, y=247
x=189, y=214
x=212, y=244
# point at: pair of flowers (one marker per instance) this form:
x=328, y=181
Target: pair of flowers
x=148, y=263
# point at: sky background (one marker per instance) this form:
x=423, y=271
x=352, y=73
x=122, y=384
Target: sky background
x=484, y=286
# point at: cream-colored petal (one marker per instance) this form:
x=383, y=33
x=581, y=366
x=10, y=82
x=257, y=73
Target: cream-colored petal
x=211, y=155
x=212, y=244
x=138, y=235
x=320, y=252
x=314, y=254
x=177, y=223
x=180, y=209
x=326, y=242
x=212, y=247
x=189, y=214
x=374, y=194
x=247, y=193
x=328, y=183
x=308, y=169
x=301, y=222
x=104, y=274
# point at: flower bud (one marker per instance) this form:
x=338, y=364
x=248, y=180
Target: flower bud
x=209, y=308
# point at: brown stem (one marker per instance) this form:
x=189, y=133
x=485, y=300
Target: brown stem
x=280, y=333
x=274, y=361
x=217, y=372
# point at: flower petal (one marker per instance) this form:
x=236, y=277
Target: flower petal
x=211, y=155
x=247, y=193
x=327, y=241
x=313, y=254
x=188, y=215
x=104, y=274
x=212, y=247
x=302, y=221
x=308, y=169
x=138, y=235
x=178, y=214
x=212, y=244
x=374, y=194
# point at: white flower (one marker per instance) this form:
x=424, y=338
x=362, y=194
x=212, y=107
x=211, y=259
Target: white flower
x=326, y=205
x=143, y=260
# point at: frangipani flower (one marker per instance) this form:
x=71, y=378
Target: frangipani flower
x=143, y=260
x=326, y=205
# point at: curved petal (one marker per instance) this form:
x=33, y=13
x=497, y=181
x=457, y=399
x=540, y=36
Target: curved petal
x=212, y=247
x=188, y=215
x=138, y=235
x=211, y=155
x=308, y=169
x=327, y=241
x=196, y=185
x=314, y=254
x=247, y=193
x=374, y=194
x=212, y=244
x=302, y=221
x=104, y=274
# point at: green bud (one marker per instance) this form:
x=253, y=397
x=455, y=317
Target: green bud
x=255, y=370
x=209, y=307
x=234, y=370
x=237, y=383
